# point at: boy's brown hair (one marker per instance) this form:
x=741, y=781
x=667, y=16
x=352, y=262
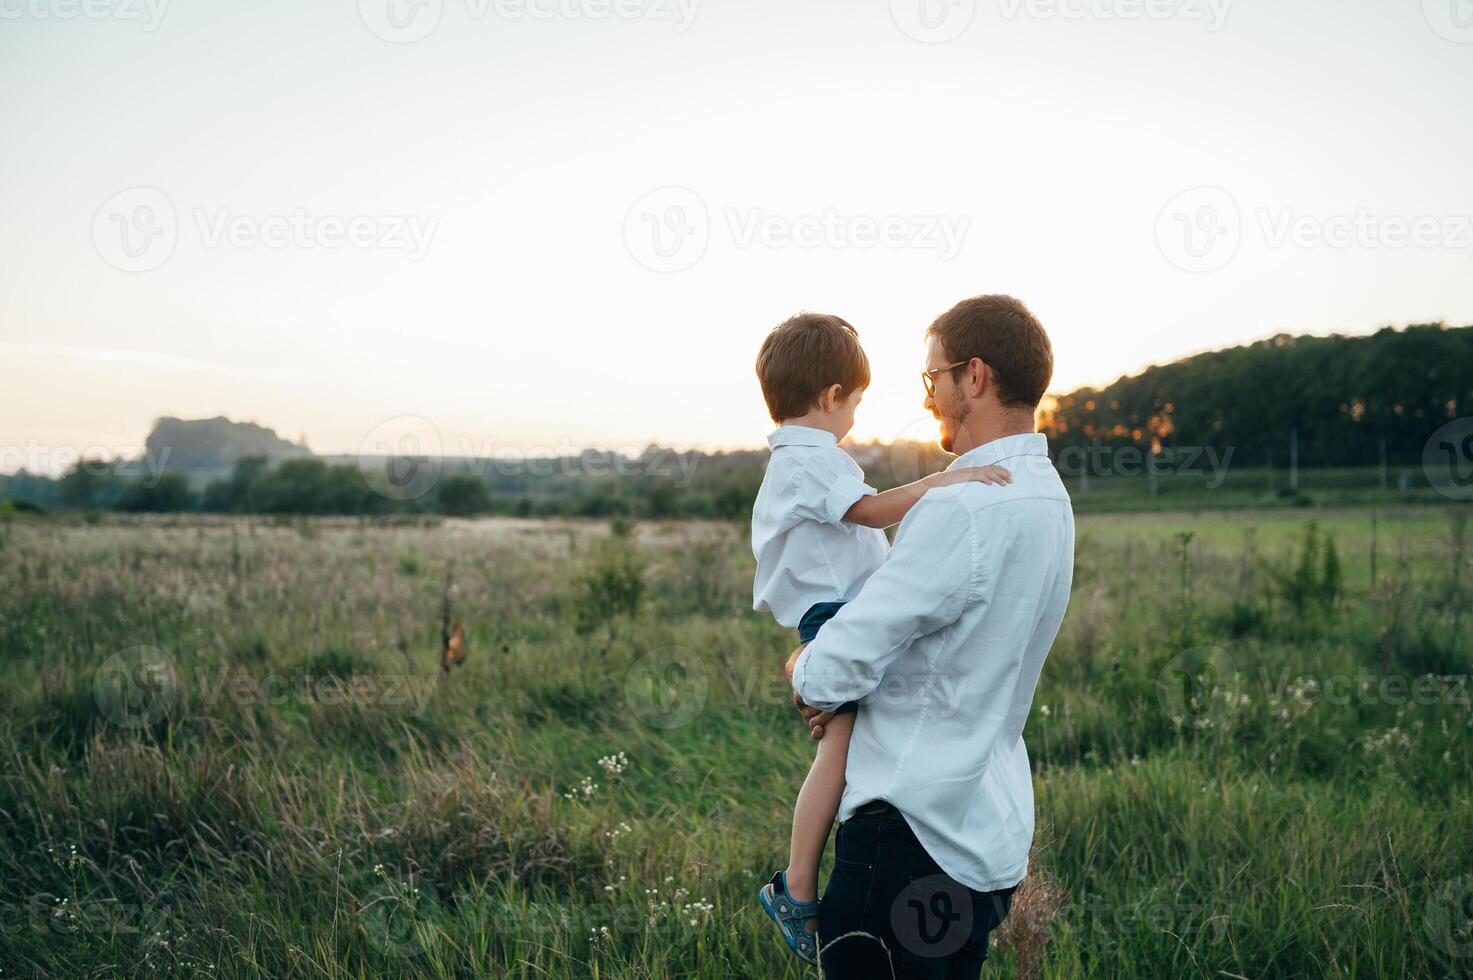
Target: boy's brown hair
x=1007, y=337
x=803, y=356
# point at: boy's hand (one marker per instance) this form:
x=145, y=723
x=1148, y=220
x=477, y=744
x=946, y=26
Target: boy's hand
x=812, y=717
x=793, y=662
x=999, y=475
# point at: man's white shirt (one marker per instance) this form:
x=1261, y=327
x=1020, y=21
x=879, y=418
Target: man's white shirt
x=943, y=648
x=805, y=552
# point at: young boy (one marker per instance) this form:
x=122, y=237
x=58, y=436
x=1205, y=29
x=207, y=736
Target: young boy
x=816, y=533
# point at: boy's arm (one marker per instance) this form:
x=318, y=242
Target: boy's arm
x=883, y=509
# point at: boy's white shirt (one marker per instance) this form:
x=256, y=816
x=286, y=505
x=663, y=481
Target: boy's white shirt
x=805, y=552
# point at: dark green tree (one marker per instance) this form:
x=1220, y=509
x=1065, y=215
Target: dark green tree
x=168, y=493
x=463, y=495
x=85, y=483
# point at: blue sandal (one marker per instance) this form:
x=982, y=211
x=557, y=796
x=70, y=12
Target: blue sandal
x=790, y=914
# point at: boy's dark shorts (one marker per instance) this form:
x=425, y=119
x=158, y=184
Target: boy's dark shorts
x=818, y=614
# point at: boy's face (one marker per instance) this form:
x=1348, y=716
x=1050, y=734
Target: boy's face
x=832, y=412
x=844, y=409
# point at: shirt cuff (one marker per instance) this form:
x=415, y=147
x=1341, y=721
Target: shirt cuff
x=800, y=678
x=845, y=492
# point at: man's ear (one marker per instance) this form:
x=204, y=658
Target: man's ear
x=982, y=379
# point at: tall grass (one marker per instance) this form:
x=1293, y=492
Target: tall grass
x=230, y=751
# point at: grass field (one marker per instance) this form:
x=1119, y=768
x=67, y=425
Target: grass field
x=230, y=751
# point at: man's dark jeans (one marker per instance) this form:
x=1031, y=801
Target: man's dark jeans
x=885, y=884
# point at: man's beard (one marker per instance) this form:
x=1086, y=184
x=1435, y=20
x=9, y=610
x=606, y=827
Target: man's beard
x=955, y=423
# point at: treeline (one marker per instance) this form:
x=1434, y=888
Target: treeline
x=314, y=486
x=1348, y=400
x=1341, y=402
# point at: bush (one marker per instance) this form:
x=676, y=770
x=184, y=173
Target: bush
x=234, y=495
x=659, y=503
x=86, y=483
x=613, y=585
x=1315, y=580
x=463, y=495
x=310, y=486
x=168, y=494
x=1242, y=619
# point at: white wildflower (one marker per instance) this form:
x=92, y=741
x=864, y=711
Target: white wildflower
x=614, y=764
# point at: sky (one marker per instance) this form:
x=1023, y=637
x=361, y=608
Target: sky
x=523, y=225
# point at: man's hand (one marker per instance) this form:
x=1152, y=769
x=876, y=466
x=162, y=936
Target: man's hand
x=815, y=719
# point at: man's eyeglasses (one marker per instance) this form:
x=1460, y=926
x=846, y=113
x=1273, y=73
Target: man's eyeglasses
x=928, y=378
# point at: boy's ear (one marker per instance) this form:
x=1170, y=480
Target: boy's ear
x=828, y=399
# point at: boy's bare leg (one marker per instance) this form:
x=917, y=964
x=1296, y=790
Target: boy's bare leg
x=813, y=814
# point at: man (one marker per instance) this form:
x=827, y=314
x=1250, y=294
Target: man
x=942, y=649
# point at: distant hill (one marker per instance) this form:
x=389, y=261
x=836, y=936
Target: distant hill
x=1345, y=397
x=194, y=445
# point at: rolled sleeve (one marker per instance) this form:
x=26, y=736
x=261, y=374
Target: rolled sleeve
x=843, y=494
x=813, y=695
x=823, y=490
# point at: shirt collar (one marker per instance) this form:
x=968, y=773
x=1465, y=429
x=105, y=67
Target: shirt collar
x=1008, y=447
x=801, y=435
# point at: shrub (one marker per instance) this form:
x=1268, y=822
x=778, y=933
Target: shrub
x=1315, y=580
x=168, y=494
x=463, y=495
x=613, y=584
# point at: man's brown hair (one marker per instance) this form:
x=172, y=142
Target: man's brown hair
x=803, y=356
x=1007, y=337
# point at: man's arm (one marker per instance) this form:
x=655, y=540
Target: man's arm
x=923, y=585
